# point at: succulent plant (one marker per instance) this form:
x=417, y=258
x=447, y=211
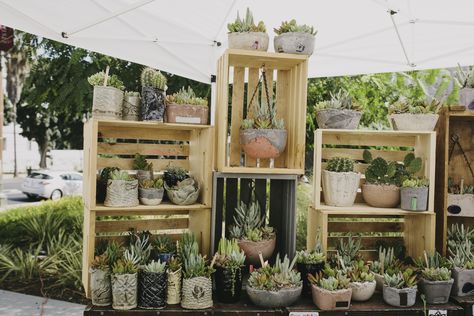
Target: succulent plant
x=415, y=183
x=466, y=78
x=124, y=266
x=155, y=267
x=140, y=163
x=105, y=173
x=330, y=279
x=314, y=256
x=229, y=254
x=132, y=94
x=436, y=274
x=195, y=266
x=140, y=249
x=113, y=252
x=188, y=245
x=434, y=260
x=246, y=25
x=292, y=26
x=461, y=255
x=386, y=263
x=120, y=175
x=415, y=106
x=100, y=262
x=360, y=272
x=249, y=223
x=247, y=124
x=153, y=78
x=152, y=184
x=186, y=96
x=163, y=244
x=340, y=164
x=342, y=100
x=401, y=280
x=174, y=264
x=382, y=172
x=174, y=174
x=348, y=251
x=112, y=81
x=274, y=278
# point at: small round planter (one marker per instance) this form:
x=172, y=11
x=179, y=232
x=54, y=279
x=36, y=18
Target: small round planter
x=173, y=287
x=381, y=195
x=379, y=280
x=399, y=297
x=165, y=256
x=338, y=119
x=308, y=268
x=197, y=293
x=101, y=292
x=228, y=284
x=282, y=298
x=151, y=290
x=153, y=104
x=187, y=194
x=414, y=199
x=466, y=97
x=121, y=193
x=413, y=122
x=144, y=175
x=131, y=108
x=248, y=40
x=253, y=248
x=436, y=292
x=463, y=281
x=186, y=114
x=362, y=291
x=331, y=300
x=124, y=291
x=151, y=196
x=263, y=143
x=340, y=188
x=107, y=103
x=294, y=43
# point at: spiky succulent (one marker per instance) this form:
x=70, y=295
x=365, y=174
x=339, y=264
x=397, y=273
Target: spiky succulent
x=401, y=280
x=415, y=106
x=195, y=266
x=140, y=249
x=386, y=263
x=187, y=245
x=186, y=97
x=340, y=164
x=124, y=266
x=249, y=223
x=155, y=267
x=436, y=274
x=153, y=78
x=246, y=25
x=461, y=255
x=264, y=117
x=292, y=26
x=120, y=175
x=152, y=184
x=348, y=251
x=360, y=272
x=431, y=260
x=312, y=256
x=342, y=100
x=276, y=277
x=140, y=163
x=466, y=78
x=330, y=279
x=100, y=262
x=174, y=264
x=229, y=254
x=163, y=244
x=174, y=174
x=98, y=79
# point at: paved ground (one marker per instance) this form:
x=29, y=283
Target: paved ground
x=12, y=189
x=15, y=304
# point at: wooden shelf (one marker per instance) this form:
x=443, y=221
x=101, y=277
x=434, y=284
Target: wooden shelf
x=467, y=113
x=364, y=209
x=374, y=132
x=262, y=170
x=157, y=125
x=165, y=206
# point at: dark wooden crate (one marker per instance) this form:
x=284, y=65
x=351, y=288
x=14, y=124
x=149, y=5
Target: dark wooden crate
x=466, y=302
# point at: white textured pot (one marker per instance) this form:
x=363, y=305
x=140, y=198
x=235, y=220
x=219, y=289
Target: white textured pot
x=107, y=103
x=248, y=40
x=466, y=97
x=124, y=291
x=362, y=291
x=294, y=43
x=379, y=280
x=340, y=188
x=461, y=205
x=414, y=122
x=399, y=297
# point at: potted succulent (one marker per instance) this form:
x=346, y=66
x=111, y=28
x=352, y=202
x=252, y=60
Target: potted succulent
x=310, y=262
x=108, y=96
x=131, y=106
x=180, y=188
x=348, y=251
x=436, y=284
x=330, y=289
x=460, y=199
x=101, y=293
x=462, y=262
x=466, y=93
x=245, y=34
x=294, y=38
x=341, y=112
x=164, y=247
x=362, y=281
x=101, y=183
x=252, y=235
x=142, y=167
x=173, y=283
x=275, y=286
x=386, y=263
x=152, y=285
x=340, y=182
x=229, y=261
x=185, y=107
x=153, y=95
x=124, y=282
x=414, y=115
x=414, y=194
x=122, y=190
x=151, y=191
x=400, y=289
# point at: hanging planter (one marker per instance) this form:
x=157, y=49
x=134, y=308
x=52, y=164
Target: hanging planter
x=108, y=96
x=153, y=95
x=124, y=291
x=340, y=182
x=412, y=115
x=340, y=112
x=152, y=286
x=122, y=190
x=244, y=34
x=294, y=39
x=131, y=106
x=101, y=292
x=184, y=107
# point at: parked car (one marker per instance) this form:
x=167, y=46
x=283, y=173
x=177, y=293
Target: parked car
x=52, y=184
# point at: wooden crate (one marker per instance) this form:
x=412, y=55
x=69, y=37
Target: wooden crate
x=462, y=124
x=287, y=77
x=114, y=143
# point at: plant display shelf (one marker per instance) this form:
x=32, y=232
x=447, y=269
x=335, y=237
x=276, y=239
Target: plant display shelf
x=287, y=81
x=452, y=123
x=466, y=302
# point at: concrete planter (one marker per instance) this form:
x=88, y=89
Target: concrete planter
x=340, y=188
x=107, y=103
x=101, y=292
x=414, y=199
x=294, y=43
x=461, y=205
x=151, y=196
x=381, y=195
x=399, y=297
x=253, y=248
x=124, y=291
x=186, y=114
x=121, y=193
x=466, y=97
x=263, y=143
x=436, y=292
x=338, y=119
x=131, y=108
x=186, y=194
x=463, y=282
x=173, y=287
x=282, y=298
x=413, y=122
x=248, y=40
x=331, y=300
x=362, y=291
x=379, y=280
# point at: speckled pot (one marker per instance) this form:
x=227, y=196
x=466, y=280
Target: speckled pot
x=294, y=43
x=338, y=119
x=263, y=143
x=248, y=40
x=399, y=297
x=282, y=298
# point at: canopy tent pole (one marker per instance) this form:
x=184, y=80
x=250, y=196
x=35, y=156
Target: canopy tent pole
x=392, y=13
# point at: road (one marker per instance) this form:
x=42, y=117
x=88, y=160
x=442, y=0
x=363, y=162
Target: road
x=12, y=188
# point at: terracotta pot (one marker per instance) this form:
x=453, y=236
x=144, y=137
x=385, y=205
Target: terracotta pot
x=381, y=195
x=101, y=292
x=413, y=122
x=186, y=114
x=463, y=282
x=338, y=119
x=263, y=143
x=124, y=291
x=151, y=196
x=253, y=248
x=399, y=297
x=294, y=43
x=248, y=40
x=414, y=199
x=131, y=108
x=153, y=104
x=228, y=284
x=461, y=205
x=308, y=268
x=362, y=291
x=197, y=293
x=107, y=103
x=282, y=298
x=331, y=300
x=466, y=97
x=340, y=188
x=379, y=280
x=436, y=292
x=173, y=287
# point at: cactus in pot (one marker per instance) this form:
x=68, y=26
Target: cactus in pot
x=294, y=38
x=340, y=182
x=245, y=34
x=153, y=95
x=340, y=112
x=108, y=96
x=185, y=107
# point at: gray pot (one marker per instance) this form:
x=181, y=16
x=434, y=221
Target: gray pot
x=340, y=188
x=282, y=298
x=463, y=282
x=107, y=103
x=436, y=292
x=151, y=196
x=338, y=119
x=101, y=292
x=248, y=40
x=294, y=43
x=263, y=143
x=131, y=108
x=466, y=97
x=413, y=122
x=144, y=175
x=399, y=297
x=185, y=193
x=414, y=199
x=124, y=291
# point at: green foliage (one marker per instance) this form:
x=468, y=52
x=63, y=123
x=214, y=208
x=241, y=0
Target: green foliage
x=330, y=279
x=174, y=264
x=435, y=260
x=195, y=266
x=153, y=78
x=246, y=25
x=415, y=107
x=104, y=175
x=340, y=101
x=401, y=280
x=274, y=278
x=340, y=164
x=98, y=79
x=164, y=244
x=314, y=256
x=436, y=274
x=186, y=96
x=152, y=184
x=120, y=175
x=174, y=174
x=360, y=272
x=291, y=26
x=249, y=223
x=382, y=172
x=461, y=255
x=348, y=251
x=229, y=254
x=155, y=267
x=247, y=124
x=100, y=262
x=386, y=263
x=415, y=183
x=188, y=246
x=140, y=163
x=132, y=94
x=124, y=266
x=139, y=251
x=113, y=252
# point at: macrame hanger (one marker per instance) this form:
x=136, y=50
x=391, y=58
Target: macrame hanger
x=263, y=78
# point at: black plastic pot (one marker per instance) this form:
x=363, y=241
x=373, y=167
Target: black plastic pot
x=304, y=269
x=153, y=104
x=228, y=284
x=101, y=190
x=151, y=290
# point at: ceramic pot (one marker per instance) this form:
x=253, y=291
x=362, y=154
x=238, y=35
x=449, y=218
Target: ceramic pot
x=308, y=268
x=263, y=143
x=381, y=195
x=197, y=293
x=461, y=205
x=294, y=43
x=101, y=292
x=186, y=194
x=466, y=97
x=379, y=280
x=121, y=193
x=186, y=114
x=228, y=284
x=173, y=287
x=248, y=40
x=153, y=104
x=399, y=297
x=151, y=290
x=131, y=108
x=124, y=291
x=414, y=199
x=151, y=196
x=253, y=248
x=436, y=292
x=269, y=299
x=338, y=119
x=414, y=122
x=331, y=300
x=362, y=291
x=340, y=188
x=107, y=103
x=463, y=282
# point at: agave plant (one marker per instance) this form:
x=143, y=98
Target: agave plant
x=348, y=251
x=250, y=224
x=274, y=278
x=342, y=100
x=246, y=24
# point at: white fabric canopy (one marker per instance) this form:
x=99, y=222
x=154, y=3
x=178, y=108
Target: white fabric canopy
x=183, y=36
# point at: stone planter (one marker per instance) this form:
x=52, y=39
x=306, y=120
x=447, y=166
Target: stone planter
x=294, y=43
x=413, y=122
x=338, y=119
x=121, y=193
x=107, y=103
x=131, y=108
x=340, y=188
x=248, y=40
x=331, y=300
x=187, y=194
x=151, y=290
x=173, y=287
x=263, y=143
x=282, y=298
x=197, y=293
x=399, y=297
x=308, y=268
x=253, y=248
x=461, y=204
x=186, y=114
x=414, y=199
x=151, y=196
x=228, y=284
x=124, y=291
x=436, y=292
x=379, y=280
x=153, y=104
x=466, y=97
x=381, y=195
x=463, y=282
x=101, y=292
x=362, y=291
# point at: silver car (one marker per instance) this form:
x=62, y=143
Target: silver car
x=52, y=184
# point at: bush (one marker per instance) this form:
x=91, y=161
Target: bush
x=304, y=194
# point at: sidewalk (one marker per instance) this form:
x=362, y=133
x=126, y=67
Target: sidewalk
x=16, y=304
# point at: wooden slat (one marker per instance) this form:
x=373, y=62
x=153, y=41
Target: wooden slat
x=282, y=102
x=255, y=58
x=139, y=225
x=144, y=149
x=237, y=115
x=143, y=133
x=357, y=154
x=127, y=163
x=253, y=78
x=368, y=243
x=361, y=227
x=222, y=112
x=368, y=140
x=122, y=239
